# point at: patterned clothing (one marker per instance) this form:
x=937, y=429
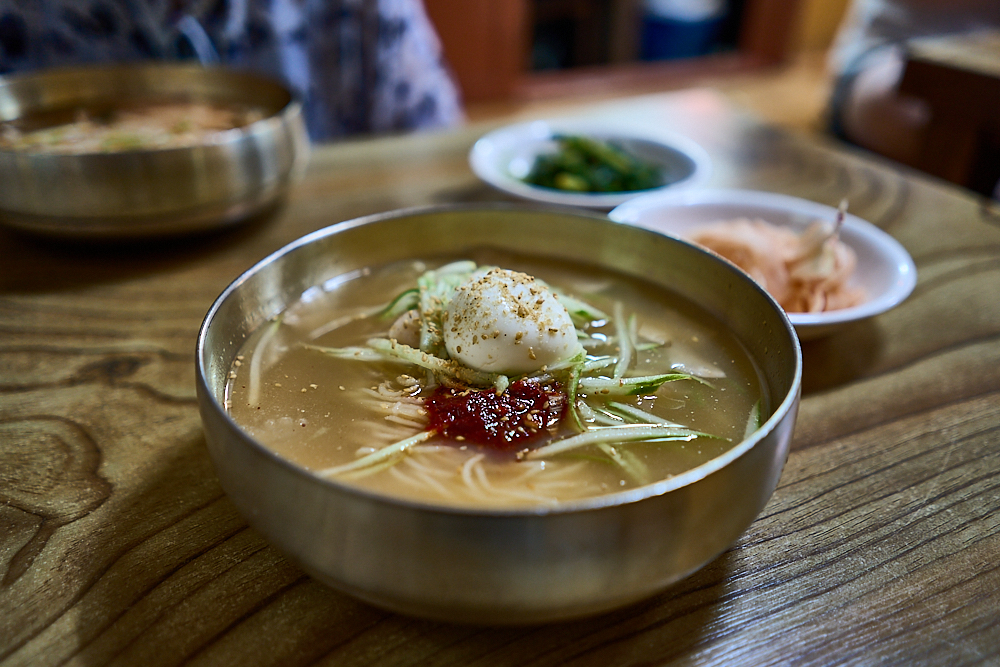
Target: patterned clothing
x=360, y=66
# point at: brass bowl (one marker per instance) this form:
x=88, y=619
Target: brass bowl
x=509, y=566
x=142, y=193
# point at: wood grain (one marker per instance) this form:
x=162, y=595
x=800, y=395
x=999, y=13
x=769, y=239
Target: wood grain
x=880, y=545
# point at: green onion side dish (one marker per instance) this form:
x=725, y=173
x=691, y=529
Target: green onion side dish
x=583, y=164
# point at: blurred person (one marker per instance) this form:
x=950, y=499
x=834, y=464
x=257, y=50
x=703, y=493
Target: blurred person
x=359, y=66
x=868, y=57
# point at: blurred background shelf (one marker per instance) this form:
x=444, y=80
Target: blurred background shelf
x=515, y=51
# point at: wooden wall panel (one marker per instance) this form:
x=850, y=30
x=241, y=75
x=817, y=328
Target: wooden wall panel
x=485, y=42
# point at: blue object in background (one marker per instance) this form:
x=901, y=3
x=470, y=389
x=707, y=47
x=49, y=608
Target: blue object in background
x=680, y=28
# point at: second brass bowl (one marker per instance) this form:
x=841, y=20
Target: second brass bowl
x=142, y=193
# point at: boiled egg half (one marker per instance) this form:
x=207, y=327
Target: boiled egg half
x=508, y=322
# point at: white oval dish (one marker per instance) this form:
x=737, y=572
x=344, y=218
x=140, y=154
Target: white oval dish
x=505, y=156
x=885, y=269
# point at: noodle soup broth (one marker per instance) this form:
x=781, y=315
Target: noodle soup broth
x=324, y=412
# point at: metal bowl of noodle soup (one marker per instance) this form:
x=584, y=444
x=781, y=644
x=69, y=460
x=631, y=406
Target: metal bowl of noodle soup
x=100, y=152
x=527, y=563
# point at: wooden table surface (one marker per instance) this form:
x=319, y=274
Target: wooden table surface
x=881, y=544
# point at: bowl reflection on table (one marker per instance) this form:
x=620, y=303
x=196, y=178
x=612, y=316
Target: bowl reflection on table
x=514, y=565
x=137, y=193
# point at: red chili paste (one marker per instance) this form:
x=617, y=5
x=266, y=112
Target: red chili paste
x=504, y=421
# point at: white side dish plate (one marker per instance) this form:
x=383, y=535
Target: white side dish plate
x=504, y=157
x=885, y=269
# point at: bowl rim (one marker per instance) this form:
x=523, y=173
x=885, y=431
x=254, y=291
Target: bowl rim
x=485, y=152
x=593, y=503
x=889, y=249
x=268, y=124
